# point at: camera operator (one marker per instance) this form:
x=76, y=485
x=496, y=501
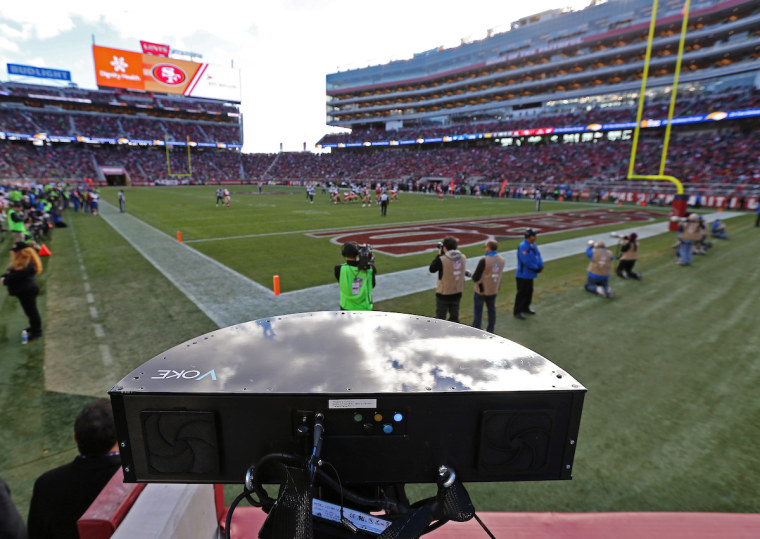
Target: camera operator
x=17, y=222
x=451, y=267
x=629, y=249
x=356, y=277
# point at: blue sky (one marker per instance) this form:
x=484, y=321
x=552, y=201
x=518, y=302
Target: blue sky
x=283, y=48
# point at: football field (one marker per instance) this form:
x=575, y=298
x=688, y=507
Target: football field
x=670, y=363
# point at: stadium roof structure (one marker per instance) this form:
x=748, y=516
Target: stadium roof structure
x=558, y=58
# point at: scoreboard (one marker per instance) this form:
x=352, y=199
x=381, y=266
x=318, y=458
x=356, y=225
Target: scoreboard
x=117, y=68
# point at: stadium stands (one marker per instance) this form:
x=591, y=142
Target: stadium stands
x=581, y=58
x=718, y=162
x=687, y=105
x=537, y=106
x=26, y=110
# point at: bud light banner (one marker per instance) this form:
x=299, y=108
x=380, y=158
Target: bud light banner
x=118, y=68
x=39, y=72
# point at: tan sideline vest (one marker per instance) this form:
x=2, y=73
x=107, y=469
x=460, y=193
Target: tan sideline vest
x=491, y=277
x=691, y=231
x=452, y=280
x=601, y=263
x=632, y=253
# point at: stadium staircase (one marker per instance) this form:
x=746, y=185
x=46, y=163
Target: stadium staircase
x=271, y=166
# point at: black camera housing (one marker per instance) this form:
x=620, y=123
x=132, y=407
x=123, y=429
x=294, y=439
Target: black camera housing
x=366, y=257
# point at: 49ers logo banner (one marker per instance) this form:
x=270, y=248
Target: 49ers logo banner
x=169, y=74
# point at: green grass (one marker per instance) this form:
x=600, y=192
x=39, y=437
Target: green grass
x=669, y=421
x=264, y=235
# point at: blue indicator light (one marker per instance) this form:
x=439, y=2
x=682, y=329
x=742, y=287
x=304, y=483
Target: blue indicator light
x=398, y=417
x=387, y=429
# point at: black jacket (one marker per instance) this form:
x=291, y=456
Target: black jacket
x=21, y=282
x=63, y=494
x=11, y=524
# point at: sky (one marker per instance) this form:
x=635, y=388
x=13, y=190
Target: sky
x=284, y=48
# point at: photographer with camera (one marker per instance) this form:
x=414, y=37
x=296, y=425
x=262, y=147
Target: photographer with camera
x=629, y=253
x=487, y=278
x=451, y=267
x=689, y=231
x=356, y=277
x=598, y=270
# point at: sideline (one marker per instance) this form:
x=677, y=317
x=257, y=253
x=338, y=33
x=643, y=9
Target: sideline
x=239, y=299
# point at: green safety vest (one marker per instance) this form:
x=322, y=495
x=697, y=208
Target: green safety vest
x=355, y=288
x=14, y=226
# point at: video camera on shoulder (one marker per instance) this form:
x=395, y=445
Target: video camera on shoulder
x=366, y=257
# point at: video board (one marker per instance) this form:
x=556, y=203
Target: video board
x=117, y=68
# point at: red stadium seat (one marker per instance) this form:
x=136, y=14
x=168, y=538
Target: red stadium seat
x=110, y=507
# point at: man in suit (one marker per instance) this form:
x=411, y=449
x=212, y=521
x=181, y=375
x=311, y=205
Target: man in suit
x=63, y=494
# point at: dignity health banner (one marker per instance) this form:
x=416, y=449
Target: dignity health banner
x=118, y=68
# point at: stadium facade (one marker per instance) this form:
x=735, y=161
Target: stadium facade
x=553, y=63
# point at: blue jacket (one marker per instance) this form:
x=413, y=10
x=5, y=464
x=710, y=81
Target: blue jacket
x=529, y=261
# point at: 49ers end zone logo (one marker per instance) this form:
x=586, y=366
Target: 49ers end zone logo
x=415, y=239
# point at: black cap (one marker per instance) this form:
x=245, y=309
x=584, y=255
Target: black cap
x=19, y=246
x=350, y=249
x=530, y=232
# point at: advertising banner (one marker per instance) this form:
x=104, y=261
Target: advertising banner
x=133, y=70
x=155, y=48
x=118, y=68
x=39, y=72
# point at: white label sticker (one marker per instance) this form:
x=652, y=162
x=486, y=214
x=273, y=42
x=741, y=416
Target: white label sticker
x=351, y=403
x=363, y=521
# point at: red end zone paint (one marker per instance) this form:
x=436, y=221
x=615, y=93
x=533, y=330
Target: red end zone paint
x=414, y=239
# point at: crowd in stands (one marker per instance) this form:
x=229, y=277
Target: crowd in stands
x=16, y=122
x=116, y=114
x=116, y=96
x=21, y=161
x=142, y=128
x=734, y=99
x=722, y=160
x=95, y=125
x=116, y=126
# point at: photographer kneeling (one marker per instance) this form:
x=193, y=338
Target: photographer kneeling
x=356, y=277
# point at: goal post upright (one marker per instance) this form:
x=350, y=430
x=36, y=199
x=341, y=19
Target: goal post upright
x=168, y=159
x=679, y=203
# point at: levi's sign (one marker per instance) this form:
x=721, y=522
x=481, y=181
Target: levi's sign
x=155, y=48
